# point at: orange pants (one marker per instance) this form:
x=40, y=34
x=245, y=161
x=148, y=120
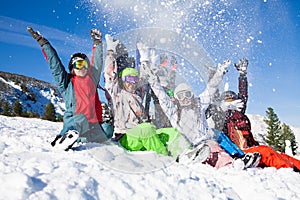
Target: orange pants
x=272, y=158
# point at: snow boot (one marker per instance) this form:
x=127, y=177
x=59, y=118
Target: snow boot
x=248, y=161
x=65, y=142
x=256, y=159
x=296, y=169
x=196, y=155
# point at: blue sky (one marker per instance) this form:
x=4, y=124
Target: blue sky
x=267, y=33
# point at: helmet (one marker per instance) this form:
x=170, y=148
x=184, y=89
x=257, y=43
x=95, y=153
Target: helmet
x=76, y=57
x=229, y=95
x=129, y=72
x=182, y=87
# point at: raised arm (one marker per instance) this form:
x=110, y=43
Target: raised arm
x=243, y=82
x=58, y=70
x=110, y=67
x=213, y=84
x=147, y=70
x=97, y=55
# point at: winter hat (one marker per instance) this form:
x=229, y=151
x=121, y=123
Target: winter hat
x=182, y=87
x=229, y=95
x=76, y=57
x=129, y=72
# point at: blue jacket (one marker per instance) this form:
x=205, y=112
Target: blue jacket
x=63, y=80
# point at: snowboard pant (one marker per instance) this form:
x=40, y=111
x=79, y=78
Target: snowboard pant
x=230, y=147
x=218, y=157
x=145, y=137
x=94, y=134
x=272, y=158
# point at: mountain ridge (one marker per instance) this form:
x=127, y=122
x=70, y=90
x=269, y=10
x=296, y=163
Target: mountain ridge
x=33, y=94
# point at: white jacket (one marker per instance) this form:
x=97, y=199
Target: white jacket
x=192, y=123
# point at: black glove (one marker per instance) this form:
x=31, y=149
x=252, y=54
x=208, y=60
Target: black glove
x=242, y=66
x=56, y=138
x=37, y=36
x=96, y=36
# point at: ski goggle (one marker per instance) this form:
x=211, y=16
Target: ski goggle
x=80, y=64
x=184, y=94
x=229, y=100
x=130, y=79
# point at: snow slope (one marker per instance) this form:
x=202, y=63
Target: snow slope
x=31, y=169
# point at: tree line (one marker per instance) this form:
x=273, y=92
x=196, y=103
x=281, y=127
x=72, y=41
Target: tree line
x=17, y=110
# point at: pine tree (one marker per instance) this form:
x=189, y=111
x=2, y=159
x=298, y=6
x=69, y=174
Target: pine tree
x=7, y=109
x=274, y=129
x=287, y=134
x=49, y=113
x=18, y=110
x=24, y=88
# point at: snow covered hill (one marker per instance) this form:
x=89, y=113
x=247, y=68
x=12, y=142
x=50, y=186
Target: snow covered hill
x=31, y=169
x=33, y=94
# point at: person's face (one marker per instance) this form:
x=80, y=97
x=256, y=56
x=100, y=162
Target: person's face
x=185, y=98
x=130, y=83
x=80, y=68
x=81, y=72
x=130, y=87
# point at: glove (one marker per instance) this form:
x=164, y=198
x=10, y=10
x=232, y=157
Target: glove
x=143, y=49
x=242, y=66
x=111, y=43
x=153, y=57
x=96, y=36
x=233, y=105
x=55, y=139
x=37, y=36
x=223, y=67
x=146, y=72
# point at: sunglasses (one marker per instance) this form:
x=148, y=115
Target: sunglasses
x=130, y=79
x=80, y=64
x=184, y=94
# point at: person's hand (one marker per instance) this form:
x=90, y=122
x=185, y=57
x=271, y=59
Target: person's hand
x=111, y=43
x=223, y=67
x=143, y=50
x=37, y=36
x=96, y=36
x=153, y=56
x=233, y=105
x=242, y=66
x=147, y=73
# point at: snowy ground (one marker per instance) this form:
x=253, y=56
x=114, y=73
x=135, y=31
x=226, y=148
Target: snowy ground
x=31, y=169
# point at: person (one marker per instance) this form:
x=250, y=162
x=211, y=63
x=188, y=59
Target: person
x=189, y=118
x=83, y=115
x=132, y=128
x=166, y=79
x=237, y=125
